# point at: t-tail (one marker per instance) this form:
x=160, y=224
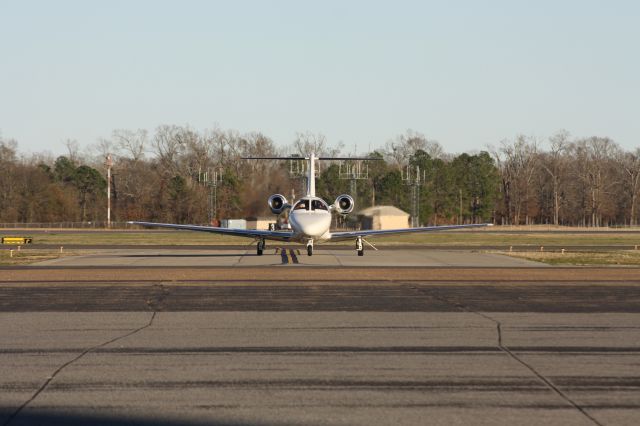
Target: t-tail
x=311, y=179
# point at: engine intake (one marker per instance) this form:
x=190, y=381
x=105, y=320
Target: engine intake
x=277, y=203
x=344, y=204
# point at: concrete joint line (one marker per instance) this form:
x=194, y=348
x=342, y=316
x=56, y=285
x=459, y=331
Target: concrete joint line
x=68, y=363
x=512, y=355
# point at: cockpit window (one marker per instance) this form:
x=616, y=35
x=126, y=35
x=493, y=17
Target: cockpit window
x=318, y=205
x=302, y=205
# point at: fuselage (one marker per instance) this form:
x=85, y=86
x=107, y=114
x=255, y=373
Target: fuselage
x=310, y=219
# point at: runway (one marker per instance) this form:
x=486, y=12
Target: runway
x=286, y=255
x=319, y=344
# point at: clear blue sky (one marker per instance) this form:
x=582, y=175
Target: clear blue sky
x=466, y=73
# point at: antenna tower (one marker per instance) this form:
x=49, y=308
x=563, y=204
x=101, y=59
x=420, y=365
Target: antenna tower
x=415, y=178
x=211, y=178
x=353, y=170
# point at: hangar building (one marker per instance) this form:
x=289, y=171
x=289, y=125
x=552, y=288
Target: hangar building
x=383, y=217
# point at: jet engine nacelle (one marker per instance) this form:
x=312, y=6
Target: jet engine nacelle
x=344, y=204
x=277, y=203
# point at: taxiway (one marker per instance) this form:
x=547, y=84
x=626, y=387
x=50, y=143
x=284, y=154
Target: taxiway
x=286, y=255
x=138, y=343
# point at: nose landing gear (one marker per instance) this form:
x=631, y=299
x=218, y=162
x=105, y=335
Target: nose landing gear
x=310, y=247
x=359, y=247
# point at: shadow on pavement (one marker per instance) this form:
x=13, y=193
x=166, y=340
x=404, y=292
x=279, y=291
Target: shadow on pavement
x=184, y=255
x=51, y=418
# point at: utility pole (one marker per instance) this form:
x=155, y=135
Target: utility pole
x=109, y=164
x=415, y=178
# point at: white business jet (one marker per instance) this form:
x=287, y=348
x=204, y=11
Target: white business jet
x=309, y=217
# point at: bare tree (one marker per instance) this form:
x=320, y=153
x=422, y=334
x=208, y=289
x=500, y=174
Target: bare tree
x=589, y=181
x=555, y=164
x=168, y=145
x=8, y=158
x=593, y=167
x=103, y=148
x=308, y=142
x=194, y=156
x=257, y=145
x=517, y=162
x=221, y=146
x=630, y=162
x=132, y=143
x=400, y=149
x=261, y=178
x=73, y=150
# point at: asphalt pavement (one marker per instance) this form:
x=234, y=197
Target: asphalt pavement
x=284, y=255
x=140, y=345
x=320, y=368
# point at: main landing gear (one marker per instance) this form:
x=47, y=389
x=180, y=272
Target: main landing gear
x=261, y=246
x=310, y=247
x=359, y=247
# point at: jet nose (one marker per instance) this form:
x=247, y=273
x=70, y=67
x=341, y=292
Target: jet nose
x=314, y=226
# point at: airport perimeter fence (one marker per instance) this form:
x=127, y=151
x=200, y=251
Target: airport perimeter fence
x=67, y=225
x=102, y=225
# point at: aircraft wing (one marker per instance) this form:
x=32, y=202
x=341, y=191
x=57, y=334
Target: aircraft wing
x=251, y=233
x=339, y=236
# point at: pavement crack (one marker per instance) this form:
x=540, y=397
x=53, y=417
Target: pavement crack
x=535, y=372
x=70, y=362
x=337, y=258
x=511, y=354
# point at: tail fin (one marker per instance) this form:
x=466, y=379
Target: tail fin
x=311, y=178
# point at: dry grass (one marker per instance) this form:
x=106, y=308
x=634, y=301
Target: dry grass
x=617, y=257
x=506, y=239
x=541, y=228
x=132, y=238
x=431, y=238
x=25, y=257
x=507, y=236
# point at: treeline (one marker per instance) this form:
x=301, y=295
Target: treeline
x=181, y=175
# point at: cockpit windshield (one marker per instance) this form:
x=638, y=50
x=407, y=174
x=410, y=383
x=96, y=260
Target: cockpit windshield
x=302, y=205
x=318, y=205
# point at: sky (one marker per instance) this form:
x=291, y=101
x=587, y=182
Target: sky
x=464, y=73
